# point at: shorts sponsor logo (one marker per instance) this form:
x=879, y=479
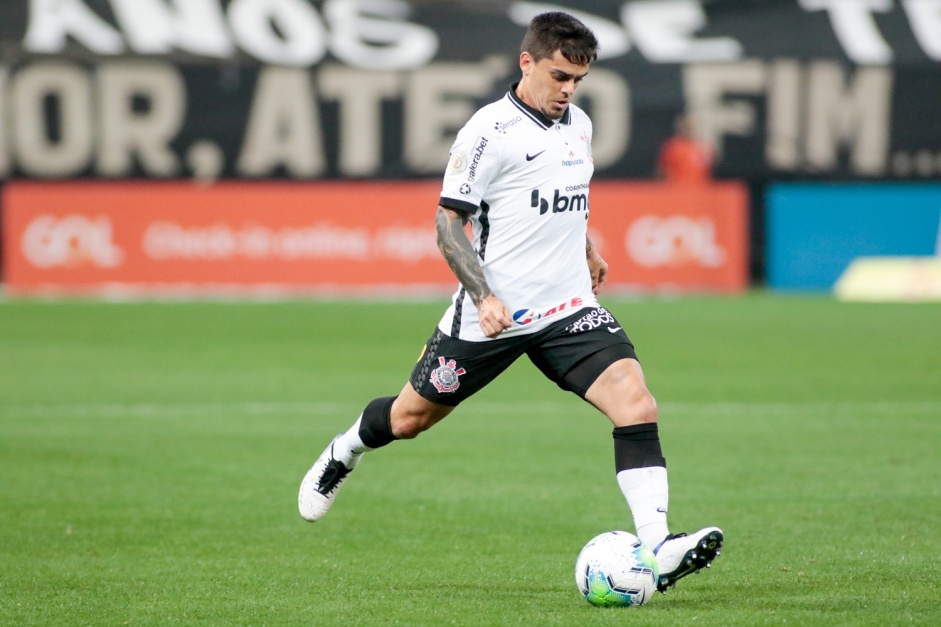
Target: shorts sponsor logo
x=526, y=316
x=592, y=320
x=445, y=377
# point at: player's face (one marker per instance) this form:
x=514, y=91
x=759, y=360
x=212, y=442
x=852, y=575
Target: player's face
x=549, y=84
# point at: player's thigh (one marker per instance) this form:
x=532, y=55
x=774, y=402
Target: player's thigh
x=576, y=351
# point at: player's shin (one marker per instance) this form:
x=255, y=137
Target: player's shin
x=642, y=477
x=371, y=430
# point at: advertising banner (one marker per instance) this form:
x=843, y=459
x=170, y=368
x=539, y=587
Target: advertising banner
x=350, y=89
x=660, y=237
x=172, y=237
x=814, y=232
x=365, y=238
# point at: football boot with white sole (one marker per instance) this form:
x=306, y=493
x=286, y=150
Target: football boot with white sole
x=684, y=554
x=321, y=484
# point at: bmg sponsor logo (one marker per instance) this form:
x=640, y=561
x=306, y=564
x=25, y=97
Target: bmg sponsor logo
x=70, y=241
x=560, y=202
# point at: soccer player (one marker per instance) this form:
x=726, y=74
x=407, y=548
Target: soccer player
x=519, y=172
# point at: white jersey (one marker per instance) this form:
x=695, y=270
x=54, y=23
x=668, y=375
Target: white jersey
x=522, y=180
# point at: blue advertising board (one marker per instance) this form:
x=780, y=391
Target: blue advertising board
x=814, y=231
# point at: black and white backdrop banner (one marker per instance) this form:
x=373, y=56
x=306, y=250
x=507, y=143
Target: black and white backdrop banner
x=297, y=89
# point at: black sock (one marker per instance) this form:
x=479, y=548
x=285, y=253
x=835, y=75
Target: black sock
x=637, y=446
x=375, y=427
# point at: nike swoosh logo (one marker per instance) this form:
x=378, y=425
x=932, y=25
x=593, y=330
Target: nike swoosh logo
x=530, y=157
x=661, y=510
x=613, y=329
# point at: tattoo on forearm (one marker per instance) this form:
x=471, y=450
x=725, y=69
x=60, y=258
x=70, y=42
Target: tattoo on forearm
x=460, y=255
x=588, y=246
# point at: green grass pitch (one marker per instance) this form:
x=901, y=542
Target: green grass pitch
x=150, y=455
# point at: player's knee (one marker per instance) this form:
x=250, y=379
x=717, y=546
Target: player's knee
x=645, y=408
x=410, y=425
x=639, y=409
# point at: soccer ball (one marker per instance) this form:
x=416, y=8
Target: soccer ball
x=616, y=569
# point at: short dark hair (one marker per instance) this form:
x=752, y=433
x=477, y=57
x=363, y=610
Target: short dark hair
x=553, y=31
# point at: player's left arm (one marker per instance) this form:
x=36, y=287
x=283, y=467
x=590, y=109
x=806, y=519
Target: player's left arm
x=597, y=266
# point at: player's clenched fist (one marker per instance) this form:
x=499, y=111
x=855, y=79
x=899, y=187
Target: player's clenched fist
x=494, y=316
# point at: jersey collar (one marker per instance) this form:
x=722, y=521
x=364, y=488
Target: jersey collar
x=537, y=116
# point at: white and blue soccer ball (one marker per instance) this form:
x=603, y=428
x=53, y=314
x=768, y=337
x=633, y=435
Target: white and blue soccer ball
x=615, y=569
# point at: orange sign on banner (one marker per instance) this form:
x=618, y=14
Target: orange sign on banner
x=333, y=237
x=659, y=237
x=81, y=237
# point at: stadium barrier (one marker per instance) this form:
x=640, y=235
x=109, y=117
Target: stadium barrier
x=152, y=238
x=813, y=232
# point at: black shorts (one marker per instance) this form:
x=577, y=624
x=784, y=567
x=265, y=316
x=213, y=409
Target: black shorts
x=572, y=352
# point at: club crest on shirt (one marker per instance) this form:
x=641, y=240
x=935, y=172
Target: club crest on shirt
x=445, y=377
x=584, y=138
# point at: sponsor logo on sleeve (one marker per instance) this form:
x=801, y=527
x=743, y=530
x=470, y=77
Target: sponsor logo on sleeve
x=475, y=160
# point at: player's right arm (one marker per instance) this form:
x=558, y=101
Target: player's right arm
x=597, y=266
x=462, y=259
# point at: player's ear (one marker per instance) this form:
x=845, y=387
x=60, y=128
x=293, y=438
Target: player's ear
x=526, y=62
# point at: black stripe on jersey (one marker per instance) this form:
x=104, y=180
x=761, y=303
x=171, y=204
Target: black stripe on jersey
x=484, y=219
x=457, y=205
x=484, y=236
x=458, y=310
x=537, y=116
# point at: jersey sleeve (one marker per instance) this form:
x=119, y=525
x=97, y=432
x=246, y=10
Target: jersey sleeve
x=473, y=162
